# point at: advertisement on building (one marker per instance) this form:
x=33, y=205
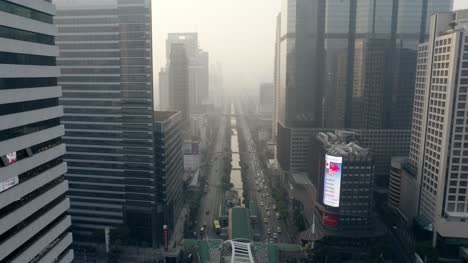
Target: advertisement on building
x=329, y=220
x=332, y=180
x=11, y=157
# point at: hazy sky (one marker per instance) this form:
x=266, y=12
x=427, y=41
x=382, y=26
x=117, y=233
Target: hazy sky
x=238, y=33
x=460, y=4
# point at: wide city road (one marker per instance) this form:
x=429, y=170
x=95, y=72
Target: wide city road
x=272, y=229
x=214, y=196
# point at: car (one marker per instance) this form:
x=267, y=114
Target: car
x=267, y=194
x=261, y=203
x=265, y=220
x=277, y=215
x=275, y=236
x=274, y=207
x=268, y=214
x=268, y=231
x=272, y=240
x=278, y=229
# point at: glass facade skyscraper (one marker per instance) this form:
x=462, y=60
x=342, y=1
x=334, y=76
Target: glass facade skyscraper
x=106, y=74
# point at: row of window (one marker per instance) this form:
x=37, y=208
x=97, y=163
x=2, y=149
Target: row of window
x=11, y=108
x=18, y=10
x=21, y=83
x=23, y=35
x=28, y=129
x=24, y=59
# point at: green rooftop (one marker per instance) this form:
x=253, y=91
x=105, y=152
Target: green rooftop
x=239, y=223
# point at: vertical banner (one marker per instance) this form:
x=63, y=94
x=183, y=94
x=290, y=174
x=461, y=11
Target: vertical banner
x=332, y=180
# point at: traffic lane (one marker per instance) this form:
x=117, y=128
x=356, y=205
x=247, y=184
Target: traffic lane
x=206, y=204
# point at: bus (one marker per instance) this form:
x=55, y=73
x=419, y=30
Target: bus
x=217, y=227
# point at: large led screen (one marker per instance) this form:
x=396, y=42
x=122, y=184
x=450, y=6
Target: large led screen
x=332, y=180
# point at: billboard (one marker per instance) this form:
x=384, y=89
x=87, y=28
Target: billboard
x=329, y=220
x=11, y=157
x=332, y=180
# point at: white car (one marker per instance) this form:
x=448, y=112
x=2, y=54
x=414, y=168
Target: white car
x=261, y=203
x=268, y=214
x=274, y=207
x=271, y=240
x=278, y=229
x=275, y=236
x=268, y=231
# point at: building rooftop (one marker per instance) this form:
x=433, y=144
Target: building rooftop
x=342, y=143
x=239, y=223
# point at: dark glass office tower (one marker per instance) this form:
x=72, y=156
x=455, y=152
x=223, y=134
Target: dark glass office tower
x=169, y=167
x=386, y=37
x=300, y=89
x=106, y=74
x=34, y=219
x=179, y=81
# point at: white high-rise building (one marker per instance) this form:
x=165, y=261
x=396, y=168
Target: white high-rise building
x=439, y=139
x=34, y=219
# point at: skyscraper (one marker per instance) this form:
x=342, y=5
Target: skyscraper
x=179, y=81
x=276, y=76
x=163, y=89
x=34, y=219
x=198, y=67
x=106, y=74
x=266, y=100
x=439, y=133
x=300, y=72
x=386, y=38
x=169, y=166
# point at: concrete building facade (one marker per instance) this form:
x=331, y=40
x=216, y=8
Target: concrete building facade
x=439, y=132
x=34, y=218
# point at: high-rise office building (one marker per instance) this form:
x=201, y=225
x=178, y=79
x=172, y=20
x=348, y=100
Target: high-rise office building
x=163, y=89
x=343, y=176
x=34, y=219
x=276, y=77
x=106, y=75
x=386, y=38
x=198, y=67
x=300, y=71
x=266, y=99
x=440, y=130
x=169, y=166
x=179, y=81
x=339, y=46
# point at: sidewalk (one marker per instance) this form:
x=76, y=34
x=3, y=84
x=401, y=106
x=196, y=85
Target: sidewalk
x=178, y=233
